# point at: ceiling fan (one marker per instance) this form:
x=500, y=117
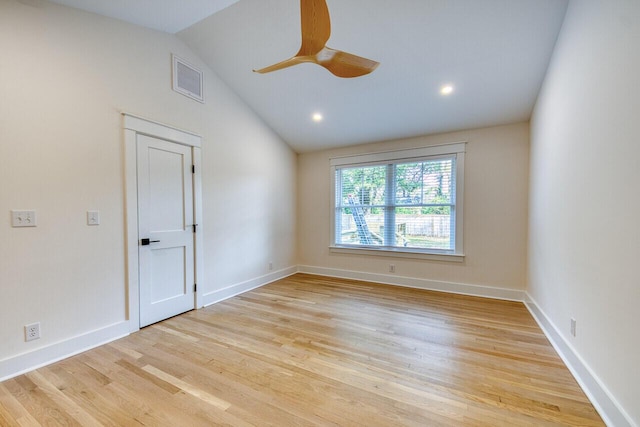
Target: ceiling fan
x=316, y=29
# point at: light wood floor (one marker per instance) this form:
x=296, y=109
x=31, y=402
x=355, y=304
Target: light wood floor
x=308, y=351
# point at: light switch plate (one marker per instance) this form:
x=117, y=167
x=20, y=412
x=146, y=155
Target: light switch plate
x=26, y=218
x=93, y=217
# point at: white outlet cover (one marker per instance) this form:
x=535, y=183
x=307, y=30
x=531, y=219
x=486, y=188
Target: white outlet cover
x=32, y=331
x=23, y=218
x=93, y=217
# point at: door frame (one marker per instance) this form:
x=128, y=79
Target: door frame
x=134, y=126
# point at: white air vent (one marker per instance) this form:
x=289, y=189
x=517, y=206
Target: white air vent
x=187, y=80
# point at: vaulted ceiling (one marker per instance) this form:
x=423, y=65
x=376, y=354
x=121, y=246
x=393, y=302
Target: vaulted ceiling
x=494, y=53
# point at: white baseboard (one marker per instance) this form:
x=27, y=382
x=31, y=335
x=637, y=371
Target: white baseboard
x=26, y=362
x=239, y=288
x=412, y=282
x=607, y=406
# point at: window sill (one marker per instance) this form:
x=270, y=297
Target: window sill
x=397, y=253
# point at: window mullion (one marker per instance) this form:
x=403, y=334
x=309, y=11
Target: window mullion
x=338, y=207
x=390, y=211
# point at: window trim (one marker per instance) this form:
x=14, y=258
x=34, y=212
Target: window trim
x=456, y=149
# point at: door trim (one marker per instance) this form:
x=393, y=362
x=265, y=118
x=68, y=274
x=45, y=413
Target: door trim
x=133, y=126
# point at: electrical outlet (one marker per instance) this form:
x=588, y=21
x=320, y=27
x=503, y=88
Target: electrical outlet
x=392, y=268
x=573, y=327
x=23, y=218
x=270, y=266
x=32, y=331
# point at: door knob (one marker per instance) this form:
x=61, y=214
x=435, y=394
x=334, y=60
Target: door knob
x=146, y=242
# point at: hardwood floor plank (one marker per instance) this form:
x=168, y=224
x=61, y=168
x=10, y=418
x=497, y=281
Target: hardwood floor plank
x=315, y=351
x=13, y=413
x=37, y=403
x=188, y=388
x=61, y=400
x=93, y=399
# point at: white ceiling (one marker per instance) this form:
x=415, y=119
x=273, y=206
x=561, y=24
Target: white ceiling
x=169, y=16
x=495, y=53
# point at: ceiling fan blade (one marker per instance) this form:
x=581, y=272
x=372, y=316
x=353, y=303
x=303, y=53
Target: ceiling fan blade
x=316, y=30
x=283, y=64
x=343, y=64
x=316, y=26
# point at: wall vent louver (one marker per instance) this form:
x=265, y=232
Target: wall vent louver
x=187, y=79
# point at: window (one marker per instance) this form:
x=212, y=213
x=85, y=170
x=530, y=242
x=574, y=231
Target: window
x=407, y=201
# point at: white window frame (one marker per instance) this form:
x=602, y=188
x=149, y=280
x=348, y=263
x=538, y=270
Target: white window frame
x=456, y=149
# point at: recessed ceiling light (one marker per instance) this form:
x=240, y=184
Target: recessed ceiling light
x=317, y=117
x=446, y=90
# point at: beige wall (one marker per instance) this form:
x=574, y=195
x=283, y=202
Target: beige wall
x=495, y=211
x=65, y=76
x=585, y=205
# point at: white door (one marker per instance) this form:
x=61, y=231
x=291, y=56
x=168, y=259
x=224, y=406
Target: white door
x=165, y=229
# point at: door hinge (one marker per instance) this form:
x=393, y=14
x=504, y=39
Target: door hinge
x=194, y=227
x=193, y=168
x=195, y=287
